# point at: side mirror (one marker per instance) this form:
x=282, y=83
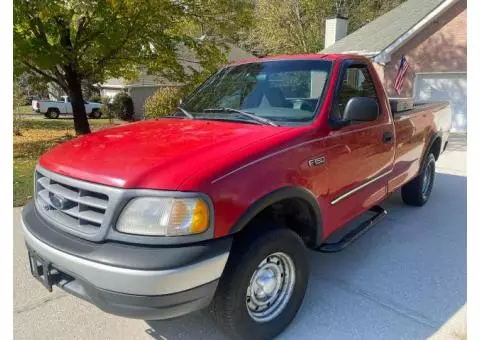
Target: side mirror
x=362, y=109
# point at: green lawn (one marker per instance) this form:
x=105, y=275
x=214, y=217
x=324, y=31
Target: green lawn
x=24, y=109
x=38, y=135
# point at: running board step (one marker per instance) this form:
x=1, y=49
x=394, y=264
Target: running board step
x=354, y=234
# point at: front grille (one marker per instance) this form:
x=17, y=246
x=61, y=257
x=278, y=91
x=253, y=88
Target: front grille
x=71, y=206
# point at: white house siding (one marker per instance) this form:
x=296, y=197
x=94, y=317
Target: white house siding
x=110, y=93
x=139, y=95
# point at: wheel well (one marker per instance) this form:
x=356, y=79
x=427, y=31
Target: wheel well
x=436, y=147
x=293, y=213
x=53, y=109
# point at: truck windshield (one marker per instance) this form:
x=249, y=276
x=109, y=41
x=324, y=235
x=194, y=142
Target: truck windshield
x=281, y=91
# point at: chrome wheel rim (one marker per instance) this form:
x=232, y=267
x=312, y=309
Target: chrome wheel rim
x=427, y=180
x=271, y=287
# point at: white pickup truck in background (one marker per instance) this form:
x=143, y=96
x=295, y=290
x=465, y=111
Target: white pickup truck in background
x=53, y=109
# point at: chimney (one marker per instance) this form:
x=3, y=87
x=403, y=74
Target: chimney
x=335, y=29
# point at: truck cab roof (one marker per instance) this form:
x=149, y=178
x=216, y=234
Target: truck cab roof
x=333, y=57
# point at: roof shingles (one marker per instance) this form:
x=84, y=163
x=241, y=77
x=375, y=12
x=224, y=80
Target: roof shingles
x=375, y=36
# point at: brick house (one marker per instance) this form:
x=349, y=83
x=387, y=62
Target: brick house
x=431, y=34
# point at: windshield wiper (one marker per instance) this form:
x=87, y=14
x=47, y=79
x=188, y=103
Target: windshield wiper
x=261, y=120
x=185, y=112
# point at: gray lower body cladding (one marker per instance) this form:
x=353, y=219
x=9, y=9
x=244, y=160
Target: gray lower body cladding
x=130, y=280
x=142, y=306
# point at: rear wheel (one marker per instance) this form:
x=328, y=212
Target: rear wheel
x=96, y=114
x=52, y=113
x=263, y=285
x=418, y=190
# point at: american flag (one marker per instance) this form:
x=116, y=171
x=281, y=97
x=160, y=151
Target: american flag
x=402, y=69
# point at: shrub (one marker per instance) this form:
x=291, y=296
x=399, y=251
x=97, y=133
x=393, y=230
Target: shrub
x=107, y=108
x=162, y=102
x=95, y=99
x=122, y=106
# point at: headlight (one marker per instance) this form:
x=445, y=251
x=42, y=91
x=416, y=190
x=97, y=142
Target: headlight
x=162, y=216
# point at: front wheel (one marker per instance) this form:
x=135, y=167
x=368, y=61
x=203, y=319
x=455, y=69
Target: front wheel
x=263, y=285
x=417, y=191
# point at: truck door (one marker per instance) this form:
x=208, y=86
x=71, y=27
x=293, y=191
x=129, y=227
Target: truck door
x=359, y=155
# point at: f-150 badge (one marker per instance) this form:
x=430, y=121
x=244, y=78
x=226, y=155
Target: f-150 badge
x=317, y=161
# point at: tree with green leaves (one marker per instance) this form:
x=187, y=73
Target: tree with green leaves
x=288, y=26
x=31, y=85
x=18, y=100
x=70, y=42
x=361, y=12
x=298, y=26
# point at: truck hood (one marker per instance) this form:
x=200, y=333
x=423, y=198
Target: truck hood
x=157, y=154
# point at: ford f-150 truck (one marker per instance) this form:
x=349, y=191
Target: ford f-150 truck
x=53, y=109
x=217, y=204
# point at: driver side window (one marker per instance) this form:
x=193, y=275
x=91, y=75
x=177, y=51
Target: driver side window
x=356, y=83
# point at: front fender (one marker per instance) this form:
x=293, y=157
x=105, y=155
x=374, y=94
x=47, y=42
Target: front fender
x=277, y=196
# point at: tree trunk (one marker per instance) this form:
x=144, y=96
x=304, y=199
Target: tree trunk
x=78, y=105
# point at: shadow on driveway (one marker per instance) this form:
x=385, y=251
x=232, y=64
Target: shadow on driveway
x=403, y=279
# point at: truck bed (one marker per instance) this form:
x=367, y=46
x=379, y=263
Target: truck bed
x=421, y=107
x=413, y=128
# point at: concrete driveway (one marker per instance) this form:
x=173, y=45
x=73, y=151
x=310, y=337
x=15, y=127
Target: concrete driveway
x=405, y=279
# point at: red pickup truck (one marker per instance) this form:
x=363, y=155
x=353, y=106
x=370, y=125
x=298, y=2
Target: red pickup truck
x=217, y=204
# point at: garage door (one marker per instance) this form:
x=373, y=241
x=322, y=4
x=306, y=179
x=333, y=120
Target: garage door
x=445, y=86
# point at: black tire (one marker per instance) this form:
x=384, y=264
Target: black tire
x=96, y=114
x=52, y=113
x=414, y=193
x=229, y=305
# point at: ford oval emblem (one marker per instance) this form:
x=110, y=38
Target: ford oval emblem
x=59, y=202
